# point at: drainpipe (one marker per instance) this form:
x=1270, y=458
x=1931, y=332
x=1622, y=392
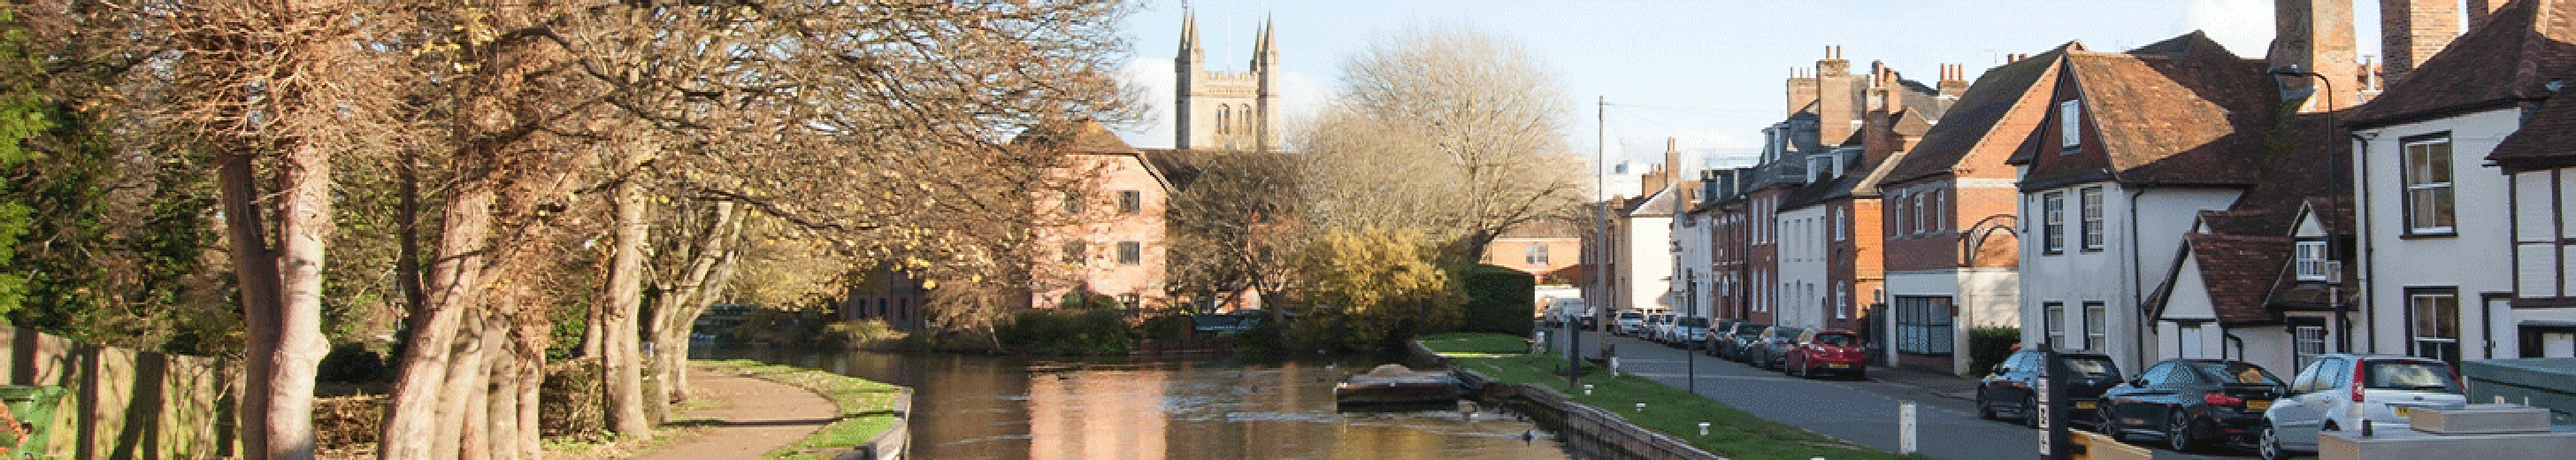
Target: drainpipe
x=2369, y=247
x=2137, y=320
x=2231, y=337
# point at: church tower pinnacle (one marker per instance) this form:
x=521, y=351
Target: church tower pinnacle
x=1225, y=110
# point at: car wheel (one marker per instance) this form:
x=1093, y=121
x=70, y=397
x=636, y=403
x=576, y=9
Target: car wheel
x=2178, y=431
x=2030, y=411
x=2268, y=444
x=1984, y=411
x=2102, y=422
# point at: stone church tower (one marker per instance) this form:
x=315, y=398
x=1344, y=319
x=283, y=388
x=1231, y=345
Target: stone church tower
x=1225, y=110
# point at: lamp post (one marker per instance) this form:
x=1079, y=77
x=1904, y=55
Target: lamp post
x=2334, y=282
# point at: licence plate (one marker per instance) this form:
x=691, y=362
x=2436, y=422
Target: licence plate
x=1838, y=365
x=2083, y=404
x=2257, y=405
x=2403, y=411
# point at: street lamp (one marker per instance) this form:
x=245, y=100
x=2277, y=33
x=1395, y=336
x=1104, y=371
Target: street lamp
x=2334, y=283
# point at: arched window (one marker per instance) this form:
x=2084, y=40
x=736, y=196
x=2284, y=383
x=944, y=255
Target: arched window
x=1223, y=112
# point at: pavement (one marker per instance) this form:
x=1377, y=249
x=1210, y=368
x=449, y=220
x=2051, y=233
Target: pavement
x=748, y=417
x=1858, y=411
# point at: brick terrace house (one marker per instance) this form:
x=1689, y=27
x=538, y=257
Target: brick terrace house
x=1110, y=237
x=1962, y=267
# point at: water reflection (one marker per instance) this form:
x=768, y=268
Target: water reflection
x=970, y=407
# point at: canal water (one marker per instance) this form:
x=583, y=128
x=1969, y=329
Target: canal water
x=980, y=407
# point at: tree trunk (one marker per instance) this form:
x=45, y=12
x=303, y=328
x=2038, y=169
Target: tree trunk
x=303, y=231
x=708, y=274
x=453, y=279
x=503, y=408
x=256, y=271
x=619, y=358
x=532, y=376
x=456, y=420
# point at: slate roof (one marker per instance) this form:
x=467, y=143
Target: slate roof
x=2183, y=111
x=1973, y=118
x=1543, y=228
x=2510, y=57
x=2229, y=262
x=2547, y=140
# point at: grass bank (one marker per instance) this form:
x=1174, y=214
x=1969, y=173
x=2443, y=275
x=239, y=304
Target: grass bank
x=1731, y=433
x=867, y=407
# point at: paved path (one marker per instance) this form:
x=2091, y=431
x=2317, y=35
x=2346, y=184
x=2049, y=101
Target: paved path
x=752, y=417
x=1862, y=411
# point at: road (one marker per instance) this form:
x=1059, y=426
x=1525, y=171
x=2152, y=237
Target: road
x=1863, y=412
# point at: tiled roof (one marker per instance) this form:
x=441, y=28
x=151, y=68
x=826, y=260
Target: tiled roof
x=2176, y=116
x=2261, y=222
x=2335, y=212
x=2547, y=140
x=1543, y=228
x=1972, y=119
x=2509, y=57
x=1180, y=166
x=1076, y=136
x=2239, y=271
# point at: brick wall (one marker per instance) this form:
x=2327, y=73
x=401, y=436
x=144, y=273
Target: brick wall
x=2412, y=30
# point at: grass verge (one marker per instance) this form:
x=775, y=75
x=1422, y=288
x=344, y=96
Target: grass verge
x=1732, y=433
x=867, y=407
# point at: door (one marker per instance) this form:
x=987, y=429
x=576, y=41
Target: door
x=2296, y=418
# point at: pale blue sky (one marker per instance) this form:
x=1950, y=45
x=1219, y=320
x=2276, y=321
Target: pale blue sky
x=1708, y=72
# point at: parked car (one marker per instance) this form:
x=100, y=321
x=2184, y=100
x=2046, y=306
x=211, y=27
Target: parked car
x=1630, y=323
x=1664, y=328
x=2189, y=402
x=2012, y=389
x=2336, y=392
x=1719, y=333
x=1690, y=332
x=1561, y=311
x=1739, y=345
x=1653, y=331
x=1830, y=351
x=1773, y=344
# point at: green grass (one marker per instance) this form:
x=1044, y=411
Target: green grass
x=1474, y=344
x=866, y=406
x=1731, y=433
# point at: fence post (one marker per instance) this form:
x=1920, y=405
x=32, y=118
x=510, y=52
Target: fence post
x=1905, y=428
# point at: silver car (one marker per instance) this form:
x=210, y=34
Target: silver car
x=2337, y=392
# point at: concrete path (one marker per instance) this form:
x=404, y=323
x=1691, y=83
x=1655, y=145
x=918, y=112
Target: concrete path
x=751, y=417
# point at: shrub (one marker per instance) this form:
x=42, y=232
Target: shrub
x=864, y=333
x=353, y=363
x=569, y=402
x=1499, y=299
x=1988, y=346
x=1166, y=327
x=1069, y=332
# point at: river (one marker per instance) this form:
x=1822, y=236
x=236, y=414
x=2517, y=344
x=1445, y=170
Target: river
x=981, y=407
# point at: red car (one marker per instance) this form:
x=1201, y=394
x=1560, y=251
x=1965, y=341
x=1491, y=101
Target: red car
x=1832, y=351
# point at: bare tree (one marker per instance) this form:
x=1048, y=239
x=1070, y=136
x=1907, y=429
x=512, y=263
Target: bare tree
x=1231, y=231
x=1445, y=130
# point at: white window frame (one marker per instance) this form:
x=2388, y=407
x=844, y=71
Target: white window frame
x=1918, y=212
x=2053, y=317
x=2306, y=342
x=2430, y=304
x=2311, y=260
x=2052, y=238
x=2413, y=157
x=2070, y=124
x=2097, y=326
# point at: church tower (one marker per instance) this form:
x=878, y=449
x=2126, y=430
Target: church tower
x=1225, y=110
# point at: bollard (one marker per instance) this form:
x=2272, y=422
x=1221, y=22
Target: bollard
x=1587, y=389
x=1641, y=407
x=1905, y=428
x=1703, y=428
x=1614, y=367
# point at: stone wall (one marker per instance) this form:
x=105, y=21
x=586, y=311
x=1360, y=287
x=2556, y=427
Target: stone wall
x=124, y=403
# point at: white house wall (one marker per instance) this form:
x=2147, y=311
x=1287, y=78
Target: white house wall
x=2477, y=260
x=2118, y=275
x=1803, y=284
x=1649, y=258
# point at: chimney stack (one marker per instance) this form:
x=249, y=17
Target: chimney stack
x=2316, y=36
x=1837, y=104
x=1674, y=170
x=2412, y=30
x=2480, y=9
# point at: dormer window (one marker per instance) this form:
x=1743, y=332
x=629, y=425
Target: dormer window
x=2311, y=260
x=2070, y=125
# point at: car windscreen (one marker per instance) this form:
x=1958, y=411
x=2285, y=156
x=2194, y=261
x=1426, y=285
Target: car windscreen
x=2409, y=375
x=2238, y=372
x=1839, y=340
x=1632, y=316
x=1749, y=329
x=2090, y=366
x=1694, y=322
x=1785, y=333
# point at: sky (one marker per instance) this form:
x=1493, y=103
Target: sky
x=1709, y=73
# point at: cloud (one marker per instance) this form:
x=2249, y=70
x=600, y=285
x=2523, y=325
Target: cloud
x=2244, y=26
x=1149, y=81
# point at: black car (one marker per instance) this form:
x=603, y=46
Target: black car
x=1772, y=346
x=1720, y=332
x=2012, y=390
x=1740, y=340
x=2189, y=402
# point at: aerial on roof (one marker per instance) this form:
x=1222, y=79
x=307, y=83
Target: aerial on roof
x=2510, y=57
